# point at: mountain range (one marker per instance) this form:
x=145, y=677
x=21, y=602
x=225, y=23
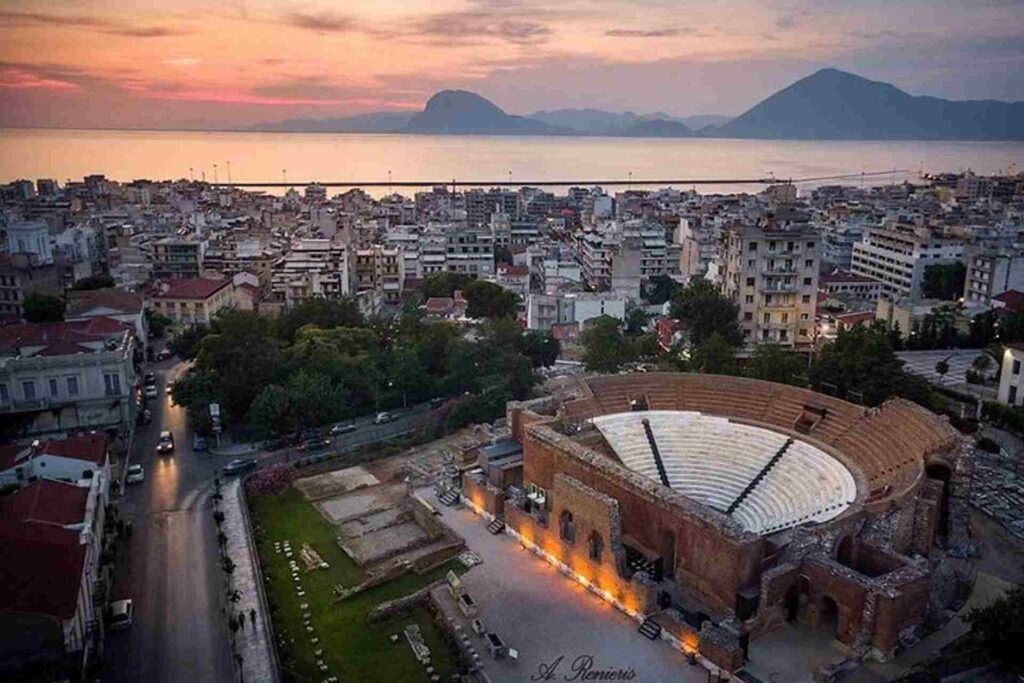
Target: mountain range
x=827, y=105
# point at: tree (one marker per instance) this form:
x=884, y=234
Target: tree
x=488, y=300
x=703, y=311
x=542, y=348
x=636, y=320
x=503, y=255
x=944, y=281
x=271, y=412
x=942, y=367
x=157, y=323
x=444, y=284
x=94, y=282
x=313, y=400
x=776, y=363
x=604, y=347
x=325, y=313
x=43, y=308
x=999, y=629
x=862, y=359
x=659, y=289
x=715, y=355
x=186, y=343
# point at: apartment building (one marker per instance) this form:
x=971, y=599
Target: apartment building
x=543, y=311
x=31, y=238
x=770, y=270
x=991, y=274
x=194, y=301
x=312, y=267
x=481, y=204
x=20, y=278
x=840, y=284
x=382, y=268
x=899, y=256
x=62, y=377
x=177, y=258
x=470, y=252
x=1011, y=388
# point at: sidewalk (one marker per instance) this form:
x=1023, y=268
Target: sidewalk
x=252, y=643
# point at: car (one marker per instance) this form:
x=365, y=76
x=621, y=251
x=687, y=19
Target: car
x=136, y=475
x=144, y=417
x=315, y=444
x=150, y=391
x=150, y=379
x=166, y=443
x=238, y=465
x=384, y=418
x=121, y=614
x=343, y=429
x=281, y=442
x=199, y=443
x=437, y=402
x=164, y=354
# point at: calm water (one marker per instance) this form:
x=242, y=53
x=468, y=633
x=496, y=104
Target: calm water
x=126, y=155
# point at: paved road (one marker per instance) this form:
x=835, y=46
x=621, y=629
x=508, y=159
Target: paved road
x=168, y=564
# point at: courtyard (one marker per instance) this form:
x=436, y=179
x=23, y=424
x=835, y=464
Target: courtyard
x=551, y=621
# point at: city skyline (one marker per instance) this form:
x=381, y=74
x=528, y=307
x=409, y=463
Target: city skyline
x=237, y=64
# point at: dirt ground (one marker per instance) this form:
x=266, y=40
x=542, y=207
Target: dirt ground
x=1002, y=554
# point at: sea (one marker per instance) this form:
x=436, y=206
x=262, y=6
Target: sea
x=301, y=158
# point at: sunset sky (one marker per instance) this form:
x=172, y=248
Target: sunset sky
x=186, y=63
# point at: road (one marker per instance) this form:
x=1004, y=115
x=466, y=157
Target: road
x=168, y=564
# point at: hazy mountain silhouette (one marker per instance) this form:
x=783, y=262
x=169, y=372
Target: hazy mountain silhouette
x=459, y=112
x=377, y=122
x=835, y=105
x=599, y=122
x=657, y=128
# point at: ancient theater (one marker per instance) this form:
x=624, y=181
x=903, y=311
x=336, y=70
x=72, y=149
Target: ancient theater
x=714, y=509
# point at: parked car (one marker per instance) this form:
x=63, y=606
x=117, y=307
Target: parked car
x=341, y=428
x=150, y=379
x=164, y=354
x=121, y=614
x=144, y=417
x=437, y=402
x=238, y=465
x=384, y=418
x=136, y=475
x=150, y=391
x=166, y=443
x=316, y=444
x=199, y=444
x=281, y=442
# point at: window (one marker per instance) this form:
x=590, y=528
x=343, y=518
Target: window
x=596, y=546
x=806, y=298
x=72, y=386
x=807, y=281
x=54, y=390
x=752, y=246
x=1013, y=395
x=1016, y=367
x=112, y=384
x=749, y=298
x=750, y=282
x=28, y=388
x=748, y=316
x=4, y=395
x=567, y=527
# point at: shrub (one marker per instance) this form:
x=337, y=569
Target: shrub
x=271, y=481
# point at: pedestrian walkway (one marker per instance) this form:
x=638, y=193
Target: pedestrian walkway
x=253, y=642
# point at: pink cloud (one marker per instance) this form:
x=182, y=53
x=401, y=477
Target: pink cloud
x=16, y=79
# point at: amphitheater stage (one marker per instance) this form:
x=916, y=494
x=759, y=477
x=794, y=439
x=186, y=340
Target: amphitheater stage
x=544, y=615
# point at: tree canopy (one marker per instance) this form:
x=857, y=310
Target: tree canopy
x=999, y=629
x=704, y=311
x=488, y=300
x=944, y=281
x=444, y=284
x=43, y=308
x=94, y=282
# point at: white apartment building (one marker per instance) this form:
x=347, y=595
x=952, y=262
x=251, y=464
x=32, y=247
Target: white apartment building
x=470, y=252
x=312, y=267
x=989, y=275
x=770, y=271
x=545, y=310
x=898, y=257
x=1011, y=391
x=698, y=245
x=381, y=268
x=30, y=237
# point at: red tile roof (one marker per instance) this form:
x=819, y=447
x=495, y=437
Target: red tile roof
x=46, y=501
x=89, y=447
x=193, y=288
x=40, y=569
x=9, y=456
x=1011, y=299
x=81, y=302
x=47, y=334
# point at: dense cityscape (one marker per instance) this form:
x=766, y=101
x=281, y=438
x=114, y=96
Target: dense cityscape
x=251, y=436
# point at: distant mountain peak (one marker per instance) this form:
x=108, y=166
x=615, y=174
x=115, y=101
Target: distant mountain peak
x=465, y=112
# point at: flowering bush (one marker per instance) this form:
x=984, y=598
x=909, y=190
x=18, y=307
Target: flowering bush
x=271, y=481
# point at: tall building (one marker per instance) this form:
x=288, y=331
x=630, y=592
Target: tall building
x=178, y=258
x=380, y=268
x=770, y=270
x=989, y=275
x=899, y=256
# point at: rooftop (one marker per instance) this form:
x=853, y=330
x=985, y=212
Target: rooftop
x=80, y=303
x=89, y=447
x=193, y=288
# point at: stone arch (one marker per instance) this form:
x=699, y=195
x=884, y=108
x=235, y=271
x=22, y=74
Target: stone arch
x=828, y=615
x=567, y=527
x=595, y=547
x=844, y=551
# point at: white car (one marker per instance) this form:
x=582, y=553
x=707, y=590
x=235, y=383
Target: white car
x=384, y=418
x=136, y=475
x=150, y=391
x=121, y=614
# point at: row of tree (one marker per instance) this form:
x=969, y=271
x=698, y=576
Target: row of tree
x=322, y=362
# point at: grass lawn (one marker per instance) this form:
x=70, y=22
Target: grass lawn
x=352, y=649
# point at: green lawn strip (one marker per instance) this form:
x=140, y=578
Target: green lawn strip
x=352, y=649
